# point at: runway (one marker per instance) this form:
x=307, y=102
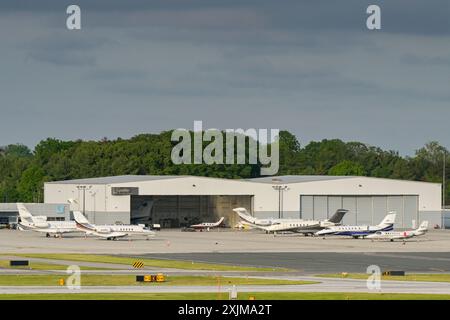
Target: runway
x=326, y=285
x=222, y=241
x=306, y=263
x=326, y=262
x=305, y=256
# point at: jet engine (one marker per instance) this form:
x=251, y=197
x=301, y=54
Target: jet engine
x=104, y=230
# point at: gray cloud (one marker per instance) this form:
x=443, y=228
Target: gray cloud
x=437, y=60
x=61, y=50
x=145, y=66
x=399, y=16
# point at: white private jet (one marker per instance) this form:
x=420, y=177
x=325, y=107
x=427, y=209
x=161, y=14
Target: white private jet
x=110, y=232
x=289, y=225
x=399, y=235
x=387, y=224
x=208, y=225
x=40, y=224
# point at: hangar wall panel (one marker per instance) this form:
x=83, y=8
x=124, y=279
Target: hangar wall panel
x=54, y=212
x=434, y=218
x=410, y=211
x=320, y=207
x=334, y=203
x=363, y=210
x=379, y=208
x=108, y=217
x=349, y=203
x=395, y=203
x=306, y=207
x=446, y=218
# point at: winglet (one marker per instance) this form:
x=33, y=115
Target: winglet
x=338, y=215
x=218, y=223
x=24, y=213
x=82, y=222
x=80, y=218
x=388, y=219
x=424, y=225
x=244, y=215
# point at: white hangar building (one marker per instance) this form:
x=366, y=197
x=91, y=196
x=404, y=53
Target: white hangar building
x=177, y=201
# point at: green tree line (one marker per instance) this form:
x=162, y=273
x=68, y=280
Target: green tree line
x=24, y=171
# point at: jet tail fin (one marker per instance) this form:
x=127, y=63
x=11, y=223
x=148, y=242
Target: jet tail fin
x=80, y=218
x=24, y=213
x=388, y=219
x=244, y=215
x=338, y=215
x=423, y=226
x=218, y=223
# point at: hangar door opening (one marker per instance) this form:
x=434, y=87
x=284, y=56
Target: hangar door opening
x=183, y=211
x=363, y=210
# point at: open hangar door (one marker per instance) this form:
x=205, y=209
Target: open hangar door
x=185, y=210
x=8, y=219
x=363, y=210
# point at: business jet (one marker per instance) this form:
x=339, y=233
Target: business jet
x=110, y=232
x=207, y=225
x=399, y=235
x=40, y=224
x=387, y=224
x=289, y=225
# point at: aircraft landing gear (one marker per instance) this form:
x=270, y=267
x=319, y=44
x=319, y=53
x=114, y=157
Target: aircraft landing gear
x=47, y=235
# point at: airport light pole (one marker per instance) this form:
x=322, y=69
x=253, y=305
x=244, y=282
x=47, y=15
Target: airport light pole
x=93, y=194
x=444, y=179
x=280, y=190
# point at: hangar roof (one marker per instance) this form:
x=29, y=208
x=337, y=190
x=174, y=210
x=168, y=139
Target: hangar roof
x=297, y=179
x=115, y=179
x=140, y=178
x=268, y=180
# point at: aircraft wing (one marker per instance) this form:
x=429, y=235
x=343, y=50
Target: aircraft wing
x=256, y=226
x=307, y=230
x=325, y=231
x=111, y=235
x=198, y=226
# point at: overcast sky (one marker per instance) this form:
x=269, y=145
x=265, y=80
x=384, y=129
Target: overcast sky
x=310, y=67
